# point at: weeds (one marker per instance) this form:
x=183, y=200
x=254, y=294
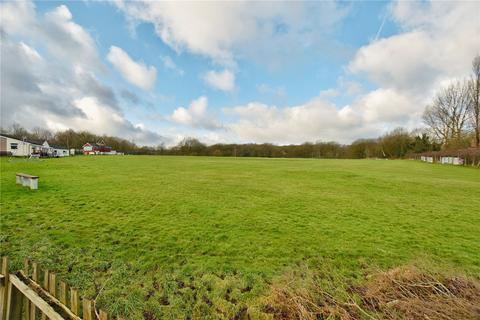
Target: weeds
x=407, y=292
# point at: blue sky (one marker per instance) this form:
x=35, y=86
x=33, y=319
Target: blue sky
x=284, y=72
x=300, y=79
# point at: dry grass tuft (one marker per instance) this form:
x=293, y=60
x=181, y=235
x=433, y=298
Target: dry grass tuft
x=303, y=296
x=413, y=293
x=407, y=292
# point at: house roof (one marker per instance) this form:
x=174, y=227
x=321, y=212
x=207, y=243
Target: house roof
x=56, y=146
x=99, y=145
x=36, y=142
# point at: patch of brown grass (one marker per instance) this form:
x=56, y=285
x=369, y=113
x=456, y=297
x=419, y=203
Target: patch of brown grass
x=307, y=296
x=407, y=292
x=414, y=293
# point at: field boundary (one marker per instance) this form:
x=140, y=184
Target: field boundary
x=22, y=297
x=465, y=157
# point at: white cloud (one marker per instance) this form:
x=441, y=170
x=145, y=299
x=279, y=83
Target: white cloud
x=170, y=65
x=329, y=93
x=318, y=119
x=388, y=107
x=220, y=80
x=17, y=16
x=257, y=122
x=50, y=63
x=48, y=76
x=223, y=31
x=438, y=42
x=137, y=73
x=196, y=115
x=30, y=52
x=55, y=31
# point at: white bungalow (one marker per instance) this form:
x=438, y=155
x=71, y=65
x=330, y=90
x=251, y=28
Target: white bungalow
x=18, y=147
x=55, y=150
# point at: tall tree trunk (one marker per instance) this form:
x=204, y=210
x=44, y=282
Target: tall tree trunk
x=476, y=99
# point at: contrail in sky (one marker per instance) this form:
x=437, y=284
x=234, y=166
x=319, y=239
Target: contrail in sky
x=381, y=27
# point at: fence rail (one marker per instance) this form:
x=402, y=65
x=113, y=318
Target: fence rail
x=23, y=298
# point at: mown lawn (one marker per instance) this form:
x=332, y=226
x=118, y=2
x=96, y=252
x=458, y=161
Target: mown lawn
x=191, y=237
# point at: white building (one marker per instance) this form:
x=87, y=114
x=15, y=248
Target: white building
x=55, y=150
x=19, y=148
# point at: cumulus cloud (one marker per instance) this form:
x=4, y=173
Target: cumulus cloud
x=319, y=119
x=50, y=63
x=220, y=80
x=437, y=43
x=48, y=76
x=224, y=31
x=137, y=73
x=196, y=115
x=55, y=31
x=17, y=16
x=258, y=122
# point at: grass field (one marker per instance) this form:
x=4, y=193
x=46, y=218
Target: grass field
x=180, y=237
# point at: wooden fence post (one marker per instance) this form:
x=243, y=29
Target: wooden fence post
x=33, y=310
x=14, y=303
x=52, y=284
x=46, y=277
x=63, y=293
x=74, y=301
x=26, y=302
x=103, y=315
x=87, y=309
x=4, y=288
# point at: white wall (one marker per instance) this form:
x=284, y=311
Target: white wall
x=23, y=148
x=61, y=152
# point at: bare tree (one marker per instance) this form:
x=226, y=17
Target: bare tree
x=475, y=99
x=437, y=121
x=448, y=114
x=42, y=134
x=18, y=131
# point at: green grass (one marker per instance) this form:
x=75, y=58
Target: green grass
x=184, y=237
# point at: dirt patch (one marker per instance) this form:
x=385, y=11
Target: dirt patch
x=407, y=292
x=148, y=315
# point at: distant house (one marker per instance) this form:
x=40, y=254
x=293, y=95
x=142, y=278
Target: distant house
x=52, y=150
x=97, y=149
x=19, y=147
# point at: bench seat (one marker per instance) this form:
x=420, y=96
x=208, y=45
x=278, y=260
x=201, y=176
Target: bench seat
x=27, y=176
x=27, y=180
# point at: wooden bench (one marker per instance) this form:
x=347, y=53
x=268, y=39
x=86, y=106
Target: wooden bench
x=27, y=180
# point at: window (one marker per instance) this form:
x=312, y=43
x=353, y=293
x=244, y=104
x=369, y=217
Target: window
x=14, y=146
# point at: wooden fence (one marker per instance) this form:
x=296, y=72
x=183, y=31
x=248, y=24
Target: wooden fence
x=22, y=297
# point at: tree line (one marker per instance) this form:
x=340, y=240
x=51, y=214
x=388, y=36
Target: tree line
x=395, y=144
x=452, y=121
